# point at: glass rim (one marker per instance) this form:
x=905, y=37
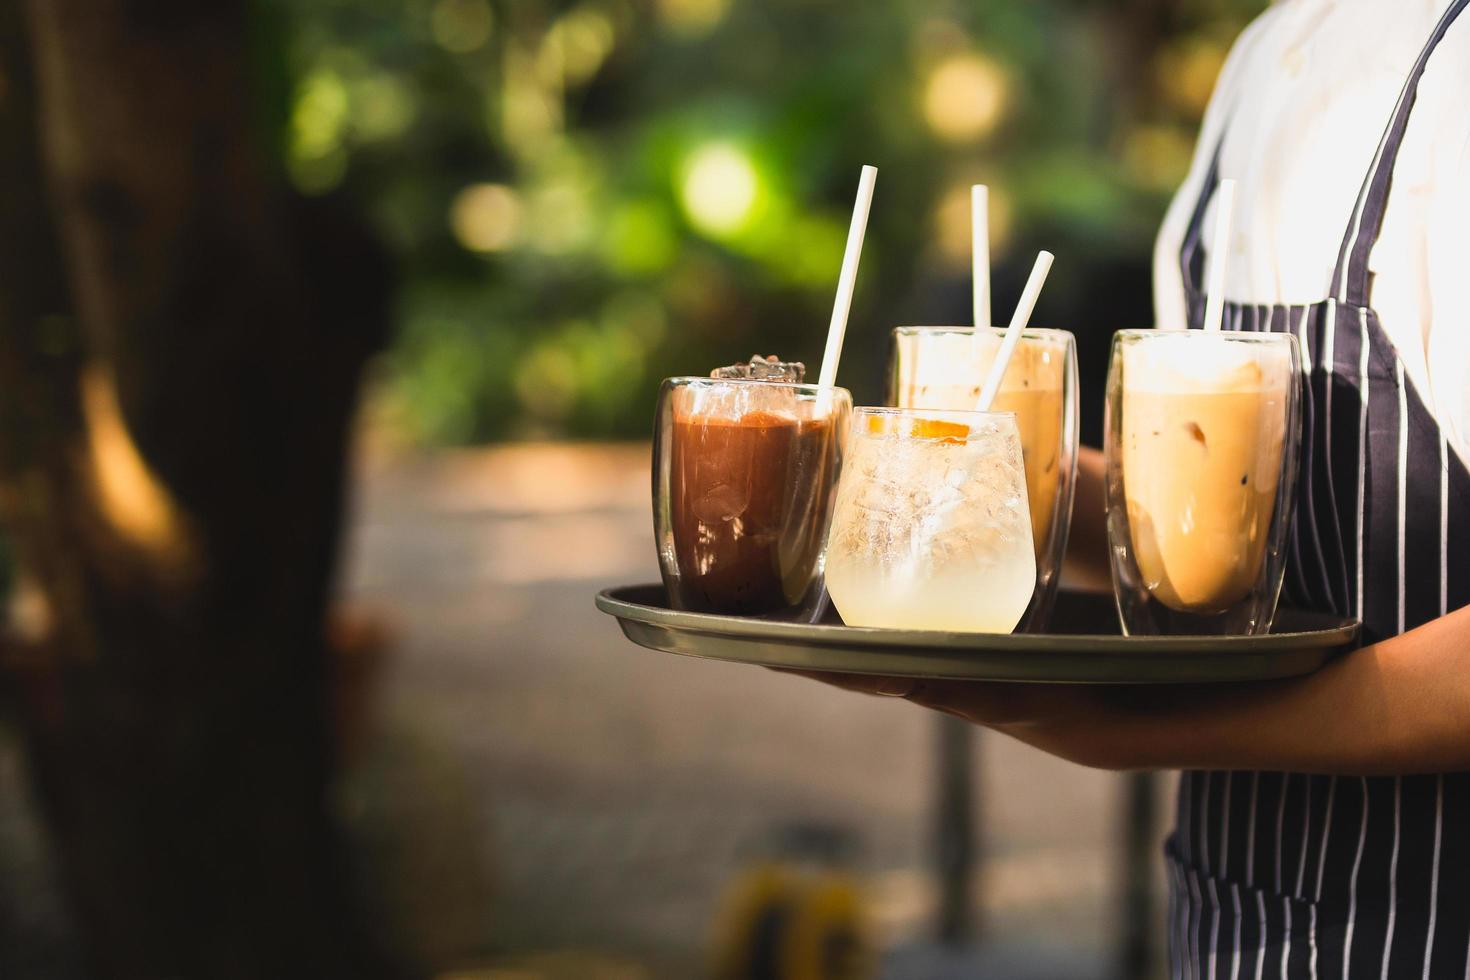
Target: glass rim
x=810, y=386
x=936, y=412
x=917, y=330
x=1241, y=336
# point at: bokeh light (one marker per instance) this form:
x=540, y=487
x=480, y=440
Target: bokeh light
x=692, y=18
x=461, y=26
x=486, y=217
x=1158, y=156
x=1186, y=70
x=383, y=107
x=531, y=109
x=320, y=114
x=702, y=155
x=965, y=97
x=561, y=218
x=316, y=158
x=952, y=223
x=577, y=45
x=719, y=188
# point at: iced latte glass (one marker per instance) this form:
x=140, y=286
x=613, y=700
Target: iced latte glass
x=1202, y=433
x=744, y=475
x=945, y=368
x=932, y=530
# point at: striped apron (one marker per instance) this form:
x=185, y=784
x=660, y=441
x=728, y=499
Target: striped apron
x=1289, y=875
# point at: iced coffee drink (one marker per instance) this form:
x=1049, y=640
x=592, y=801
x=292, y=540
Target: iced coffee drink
x=1202, y=442
x=945, y=368
x=745, y=470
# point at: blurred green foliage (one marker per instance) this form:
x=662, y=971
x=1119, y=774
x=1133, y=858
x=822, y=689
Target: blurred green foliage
x=584, y=196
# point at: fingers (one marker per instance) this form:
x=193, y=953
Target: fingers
x=939, y=695
x=891, y=687
x=946, y=696
x=992, y=704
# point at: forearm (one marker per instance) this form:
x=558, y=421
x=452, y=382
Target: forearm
x=1400, y=706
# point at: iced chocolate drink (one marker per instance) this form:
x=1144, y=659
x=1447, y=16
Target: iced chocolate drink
x=745, y=472
x=945, y=368
x=1202, y=446
x=749, y=510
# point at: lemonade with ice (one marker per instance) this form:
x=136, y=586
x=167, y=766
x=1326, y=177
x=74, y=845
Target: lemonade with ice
x=932, y=527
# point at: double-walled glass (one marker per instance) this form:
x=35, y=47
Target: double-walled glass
x=744, y=475
x=932, y=529
x=1202, y=435
x=945, y=368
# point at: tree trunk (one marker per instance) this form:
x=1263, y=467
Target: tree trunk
x=180, y=345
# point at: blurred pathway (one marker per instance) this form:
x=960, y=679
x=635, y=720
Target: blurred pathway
x=539, y=784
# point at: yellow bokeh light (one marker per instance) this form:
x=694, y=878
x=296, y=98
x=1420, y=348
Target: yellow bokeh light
x=1158, y=156
x=319, y=115
x=131, y=496
x=531, y=104
x=692, y=18
x=383, y=107
x=719, y=189
x=965, y=97
x=577, y=45
x=952, y=219
x=561, y=216
x=461, y=26
x=1185, y=73
x=486, y=217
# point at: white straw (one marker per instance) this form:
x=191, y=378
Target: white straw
x=1019, y=320
x=980, y=251
x=848, y=280
x=1219, y=249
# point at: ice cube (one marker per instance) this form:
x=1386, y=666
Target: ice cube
x=769, y=368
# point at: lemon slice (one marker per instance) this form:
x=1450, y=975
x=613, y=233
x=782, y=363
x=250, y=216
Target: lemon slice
x=911, y=427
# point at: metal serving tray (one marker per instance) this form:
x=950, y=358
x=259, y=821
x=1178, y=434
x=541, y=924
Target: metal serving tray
x=1088, y=649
